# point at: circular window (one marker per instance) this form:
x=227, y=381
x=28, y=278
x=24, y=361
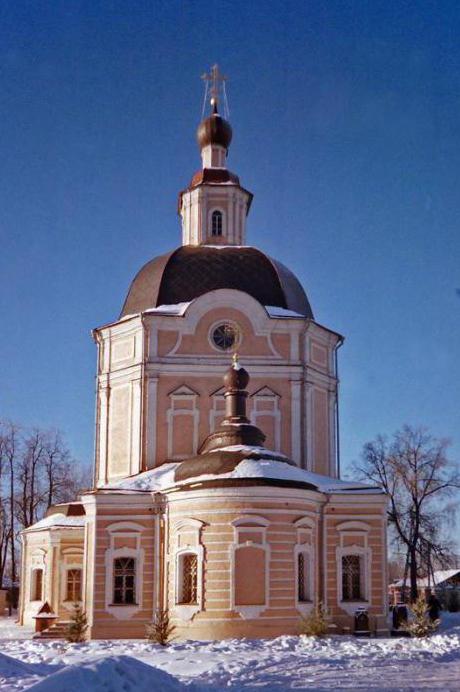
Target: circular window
x=225, y=336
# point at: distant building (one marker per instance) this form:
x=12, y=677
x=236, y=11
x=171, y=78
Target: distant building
x=216, y=497
x=440, y=581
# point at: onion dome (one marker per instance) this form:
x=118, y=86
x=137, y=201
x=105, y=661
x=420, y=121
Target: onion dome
x=236, y=428
x=214, y=130
x=191, y=271
x=236, y=440
x=236, y=377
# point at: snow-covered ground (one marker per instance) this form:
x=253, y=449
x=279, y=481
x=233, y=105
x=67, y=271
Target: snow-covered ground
x=285, y=663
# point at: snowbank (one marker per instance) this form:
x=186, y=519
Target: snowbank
x=268, y=665
x=111, y=674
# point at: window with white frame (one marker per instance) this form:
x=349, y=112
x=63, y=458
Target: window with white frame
x=124, y=569
x=303, y=553
x=354, y=557
x=36, y=584
x=216, y=223
x=73, y=585
x=188, y=572
x=124, y=581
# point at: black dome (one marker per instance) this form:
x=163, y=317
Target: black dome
x=214, y=130
x=191, y=271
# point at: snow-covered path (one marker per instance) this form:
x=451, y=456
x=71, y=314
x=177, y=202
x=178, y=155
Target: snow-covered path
x=285, y=663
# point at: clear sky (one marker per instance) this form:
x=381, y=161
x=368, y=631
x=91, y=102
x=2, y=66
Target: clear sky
x=346, y=121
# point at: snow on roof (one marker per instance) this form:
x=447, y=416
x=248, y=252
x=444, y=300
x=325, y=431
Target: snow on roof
x=266, y=465
x=268, y=468
x=438, y=577
x=152, y=480
x=223, y=247
x=177, y=309
x=58, y=519
x=275, y=311
x=250, y=449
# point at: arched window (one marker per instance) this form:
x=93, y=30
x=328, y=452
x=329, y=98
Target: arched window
x=124, y=576
x=188, y=579
x=216, y=223
x=73, y=586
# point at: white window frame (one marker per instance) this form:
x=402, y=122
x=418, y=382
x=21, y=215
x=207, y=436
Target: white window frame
x=304, y=544
x=124, y=529
x=249, y=524
x=186, y=611
x=355, y=529
x=210, y=234
x=71, y=558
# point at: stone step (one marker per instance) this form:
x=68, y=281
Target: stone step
x=57, y=631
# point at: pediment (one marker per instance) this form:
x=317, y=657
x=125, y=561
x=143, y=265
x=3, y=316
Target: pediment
x=266, y=391
x=183, y=390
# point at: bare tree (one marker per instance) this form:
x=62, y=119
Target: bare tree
x=9, y=451
x=414, y=470
x=36, y=471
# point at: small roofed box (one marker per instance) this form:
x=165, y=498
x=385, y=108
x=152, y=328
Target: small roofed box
x=44, y=618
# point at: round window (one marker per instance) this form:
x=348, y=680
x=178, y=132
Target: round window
x=225, y=336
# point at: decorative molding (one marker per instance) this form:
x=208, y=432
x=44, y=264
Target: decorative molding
x=353, y=526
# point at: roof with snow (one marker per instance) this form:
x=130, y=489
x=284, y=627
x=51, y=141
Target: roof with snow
x=70, y=515
x=439, y=577
x=237, y=465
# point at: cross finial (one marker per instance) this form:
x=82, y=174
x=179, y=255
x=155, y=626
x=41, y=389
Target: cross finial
x=215, y=84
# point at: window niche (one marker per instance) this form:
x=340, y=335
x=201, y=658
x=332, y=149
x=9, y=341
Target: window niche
x=182, y=419
x=37, y=575
x=73, y=585
x=250, y=563
x=266, y=414
x=188, y=571
x=124, y=567
x=217, y=223
x=353, y=556
x=36, y=585
x=304, y=565
x=71, y=577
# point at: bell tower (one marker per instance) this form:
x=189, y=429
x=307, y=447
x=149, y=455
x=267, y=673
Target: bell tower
x=214, y=206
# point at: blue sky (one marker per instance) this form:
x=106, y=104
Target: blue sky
x=346, y=128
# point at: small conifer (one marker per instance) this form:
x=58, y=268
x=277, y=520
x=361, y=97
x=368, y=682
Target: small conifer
x=315, y=624
x=79, y=624
x=421, y=625
x=160, y=630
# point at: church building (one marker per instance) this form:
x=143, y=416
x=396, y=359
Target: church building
x=216, y=489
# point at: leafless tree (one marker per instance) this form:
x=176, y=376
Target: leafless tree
x=416, y=473
x=36, y=471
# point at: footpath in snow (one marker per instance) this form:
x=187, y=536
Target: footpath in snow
x=285, y=663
